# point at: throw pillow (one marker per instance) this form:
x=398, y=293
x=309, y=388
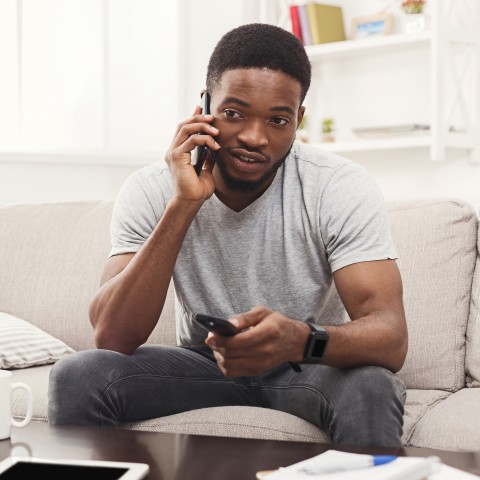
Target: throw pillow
x=25, y=345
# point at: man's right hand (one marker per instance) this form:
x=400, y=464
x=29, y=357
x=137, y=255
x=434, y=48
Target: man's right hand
x=189, y=186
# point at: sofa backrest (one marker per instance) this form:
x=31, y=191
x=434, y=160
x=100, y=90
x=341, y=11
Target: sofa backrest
x=472, y=360
x=51, y=261
x=52, y=256
x=436, y=241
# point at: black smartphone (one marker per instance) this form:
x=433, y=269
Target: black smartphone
x=200, y=153
x=217, y=325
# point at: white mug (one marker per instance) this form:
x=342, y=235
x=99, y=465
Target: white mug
x=6, y=418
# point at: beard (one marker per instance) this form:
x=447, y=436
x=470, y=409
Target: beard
x=247, y=186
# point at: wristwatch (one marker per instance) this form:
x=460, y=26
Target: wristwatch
x=316, y=344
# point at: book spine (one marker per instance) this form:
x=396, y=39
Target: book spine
x=304, y=24
x=313, y=21
x=296, y=29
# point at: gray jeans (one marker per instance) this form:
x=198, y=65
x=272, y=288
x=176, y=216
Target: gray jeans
x=356, y=406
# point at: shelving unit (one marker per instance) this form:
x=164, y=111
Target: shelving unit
x=366, y=45
x=379, y=144
x=452, y=46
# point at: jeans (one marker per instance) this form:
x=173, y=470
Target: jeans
x=356, y=406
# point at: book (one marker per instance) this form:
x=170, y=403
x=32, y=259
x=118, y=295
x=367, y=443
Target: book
x=296, y=28
x=326, y=23
x=304, y=24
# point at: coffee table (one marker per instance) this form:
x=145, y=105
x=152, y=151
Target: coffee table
x=189, y=457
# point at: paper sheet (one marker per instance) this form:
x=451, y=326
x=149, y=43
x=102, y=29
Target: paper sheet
x=403, y=468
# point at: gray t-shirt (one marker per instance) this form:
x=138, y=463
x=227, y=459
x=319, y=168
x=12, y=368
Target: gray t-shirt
x=322, y=212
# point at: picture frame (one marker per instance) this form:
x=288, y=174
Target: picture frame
x=371, y=26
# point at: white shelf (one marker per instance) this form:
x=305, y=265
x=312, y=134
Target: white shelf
x=378, y=144
x=367, y=45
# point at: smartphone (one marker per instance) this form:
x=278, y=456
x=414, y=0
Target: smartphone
x=200, y=153
x=217, y=325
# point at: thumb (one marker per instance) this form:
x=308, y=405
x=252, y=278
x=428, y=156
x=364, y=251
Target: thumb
x=251, y=318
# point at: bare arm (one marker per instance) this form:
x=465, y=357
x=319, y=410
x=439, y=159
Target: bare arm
x=372, y=295
x=133, y=288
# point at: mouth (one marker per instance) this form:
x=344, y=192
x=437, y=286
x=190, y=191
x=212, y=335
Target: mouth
x=247, y=161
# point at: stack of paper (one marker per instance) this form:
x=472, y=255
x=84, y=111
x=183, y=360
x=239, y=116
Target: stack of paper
x=401, y=468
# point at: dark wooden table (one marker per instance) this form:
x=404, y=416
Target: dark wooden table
x=188, y=457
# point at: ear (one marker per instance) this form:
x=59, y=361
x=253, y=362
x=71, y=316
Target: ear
x=202, y=91
x=300, y=114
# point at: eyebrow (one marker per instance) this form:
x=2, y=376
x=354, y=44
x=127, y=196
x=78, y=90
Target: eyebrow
x=243, y=103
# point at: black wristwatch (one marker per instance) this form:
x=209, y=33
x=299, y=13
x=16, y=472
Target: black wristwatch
x=316, y=344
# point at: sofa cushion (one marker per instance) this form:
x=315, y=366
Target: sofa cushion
x=25, y=345
x=37, y=379
x=242, y=422
x=452, y=424
x=436, y=241
x=416, y=404
x=52, y=258
x=472, y=361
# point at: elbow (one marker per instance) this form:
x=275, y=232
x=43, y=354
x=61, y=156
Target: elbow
x=398, y=355
x=109, y=341
x=106, y=337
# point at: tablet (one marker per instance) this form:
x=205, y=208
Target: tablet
x=18, y=468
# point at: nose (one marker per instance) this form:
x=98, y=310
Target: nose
x=253, y=134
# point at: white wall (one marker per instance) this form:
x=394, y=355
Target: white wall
x=153, y=80
x=104, y=85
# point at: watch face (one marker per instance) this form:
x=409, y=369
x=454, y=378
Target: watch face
x=318, y=348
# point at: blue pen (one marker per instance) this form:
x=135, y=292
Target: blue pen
x=353, y=463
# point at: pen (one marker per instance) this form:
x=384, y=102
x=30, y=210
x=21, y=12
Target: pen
x=363, y=461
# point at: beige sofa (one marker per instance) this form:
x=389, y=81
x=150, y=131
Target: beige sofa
x=52, y=256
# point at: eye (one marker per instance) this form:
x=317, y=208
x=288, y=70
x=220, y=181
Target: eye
x=231, y=113
x=280, y=121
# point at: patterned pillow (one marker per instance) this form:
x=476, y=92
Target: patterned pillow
x=25, y=345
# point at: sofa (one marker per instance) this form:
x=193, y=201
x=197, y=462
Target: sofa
x=51, y=259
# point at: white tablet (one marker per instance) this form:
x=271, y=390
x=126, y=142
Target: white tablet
x=18, y=468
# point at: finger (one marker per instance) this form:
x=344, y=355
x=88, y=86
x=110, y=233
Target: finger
x=251, y=318
x=196, y=117
x=198, y=140
x=189, y=129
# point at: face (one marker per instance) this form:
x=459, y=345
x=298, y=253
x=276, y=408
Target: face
x=257, y=112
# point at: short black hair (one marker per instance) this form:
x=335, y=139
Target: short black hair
x=260, y=45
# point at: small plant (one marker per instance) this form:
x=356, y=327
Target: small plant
x=328, y=129
x=327, y=125
x=413, y=6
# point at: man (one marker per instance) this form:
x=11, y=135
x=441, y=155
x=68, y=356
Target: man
x=272, y=233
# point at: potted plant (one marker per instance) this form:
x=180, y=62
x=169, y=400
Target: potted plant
x=328, y=130
x=414, y=19
x=413, y=6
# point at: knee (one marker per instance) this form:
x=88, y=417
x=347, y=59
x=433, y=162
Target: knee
x=72, y=371
x=376, y=385
x=74, y=382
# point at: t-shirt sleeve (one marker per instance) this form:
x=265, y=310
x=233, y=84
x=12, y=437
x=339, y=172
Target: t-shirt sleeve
x=135, y=214
x=354, y=220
